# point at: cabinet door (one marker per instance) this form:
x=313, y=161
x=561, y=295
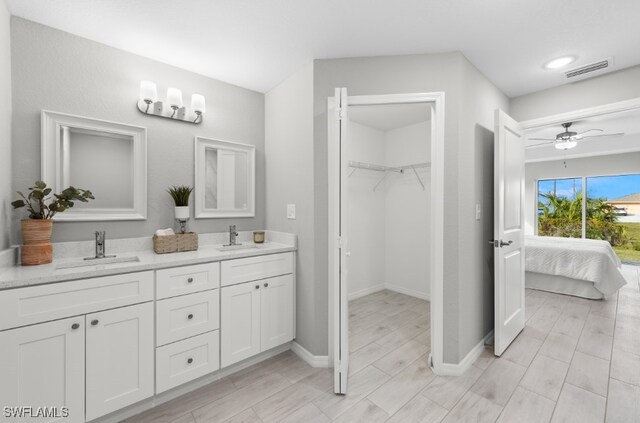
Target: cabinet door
x=119, y=354
x=43, y=366
x=276, y=306
x=240, y=322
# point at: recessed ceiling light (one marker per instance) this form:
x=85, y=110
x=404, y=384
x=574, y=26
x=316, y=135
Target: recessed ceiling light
x=560, y=62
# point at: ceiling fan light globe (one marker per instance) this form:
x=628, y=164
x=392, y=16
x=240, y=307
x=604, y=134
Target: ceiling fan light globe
x=565, y=145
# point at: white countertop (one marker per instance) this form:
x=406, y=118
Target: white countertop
x=21, y=276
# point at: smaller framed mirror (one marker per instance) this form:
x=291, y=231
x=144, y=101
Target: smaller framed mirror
x=224, y=179
x=107, y=158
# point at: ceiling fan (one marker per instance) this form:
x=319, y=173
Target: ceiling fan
x=569, y=139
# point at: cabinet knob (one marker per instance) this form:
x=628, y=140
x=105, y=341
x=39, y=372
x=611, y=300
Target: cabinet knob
x=190, y=280
x=94, y=322
x=257, y=286
x=190, y=316
x=266, y=284
x=75, y=326
x=189, y=360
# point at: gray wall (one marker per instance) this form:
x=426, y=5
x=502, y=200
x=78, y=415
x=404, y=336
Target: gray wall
x=6, y=193
x=613, y=164
x=58, y=71
x=289, y=176
x=609, y=88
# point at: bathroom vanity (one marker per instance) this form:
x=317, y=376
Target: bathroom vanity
x=98, y=339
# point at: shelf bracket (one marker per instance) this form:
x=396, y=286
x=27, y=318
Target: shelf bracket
x=380, y=181
x=418, y=176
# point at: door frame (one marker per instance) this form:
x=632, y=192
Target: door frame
x=437, y=102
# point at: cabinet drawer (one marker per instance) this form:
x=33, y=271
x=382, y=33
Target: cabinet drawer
x=26, y=306
x=254, y=268
x=187, y=279
x=186, y=360
x=181, y=317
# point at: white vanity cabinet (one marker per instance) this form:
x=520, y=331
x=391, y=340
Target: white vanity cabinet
x=187, y=324
x=256, y=315
x=119, y=369
x=101, y=358
x=43, y=365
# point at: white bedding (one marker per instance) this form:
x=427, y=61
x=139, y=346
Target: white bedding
x=584, y=259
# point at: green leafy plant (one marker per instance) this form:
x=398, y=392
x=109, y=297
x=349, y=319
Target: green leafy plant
x=180, y=194
x=41, y=206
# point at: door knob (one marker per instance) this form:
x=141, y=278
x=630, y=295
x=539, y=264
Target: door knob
x=504, y=244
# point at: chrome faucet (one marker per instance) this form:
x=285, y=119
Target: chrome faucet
x=232, y=235
x=100, y=246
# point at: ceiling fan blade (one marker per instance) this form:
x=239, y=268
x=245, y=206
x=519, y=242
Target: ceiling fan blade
x=541, y=139
x=539, y=145
x=588, y=130
x=601, y=135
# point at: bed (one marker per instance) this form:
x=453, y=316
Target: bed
x=585, y=268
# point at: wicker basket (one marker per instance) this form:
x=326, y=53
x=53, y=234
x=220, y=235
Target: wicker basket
x=175, y=243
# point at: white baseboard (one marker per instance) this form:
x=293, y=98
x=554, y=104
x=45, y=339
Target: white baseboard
x=448, y=369
x=310, y=359
x=366, y=291
x=409, y=292
x=390, y=287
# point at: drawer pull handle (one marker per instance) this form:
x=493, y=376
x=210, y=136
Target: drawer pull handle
x=189, y=280
x=75, y=326
x=94, y=322
x=257, y=286
x=190, y=316
x=189, y=360
x=266, y=284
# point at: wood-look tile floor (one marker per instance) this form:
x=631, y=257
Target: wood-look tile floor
x=577, y=360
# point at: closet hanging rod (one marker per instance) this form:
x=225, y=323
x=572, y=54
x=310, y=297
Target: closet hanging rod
x=381, y=168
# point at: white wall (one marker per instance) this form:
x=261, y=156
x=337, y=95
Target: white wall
x=59, y=71
x=6, y=193
x=605, y=89
x=289, y=180
x=615, y=164
x=408, y=213
x=366, y=212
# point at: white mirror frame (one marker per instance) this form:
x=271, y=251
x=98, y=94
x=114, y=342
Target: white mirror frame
x=201, y=145
x=52, y=123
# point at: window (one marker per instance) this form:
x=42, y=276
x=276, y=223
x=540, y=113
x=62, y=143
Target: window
x=612, y=211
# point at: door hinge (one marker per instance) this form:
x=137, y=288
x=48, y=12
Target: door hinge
x=340, y=113
x=340, y=242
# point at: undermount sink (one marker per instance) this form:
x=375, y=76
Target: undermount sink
x=96, y=262
x=236, y=247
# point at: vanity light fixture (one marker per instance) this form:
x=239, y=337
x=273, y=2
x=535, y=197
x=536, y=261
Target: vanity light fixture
x=149, y=104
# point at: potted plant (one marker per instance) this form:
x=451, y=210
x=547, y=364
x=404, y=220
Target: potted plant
x=180, y=195
x=36, y=231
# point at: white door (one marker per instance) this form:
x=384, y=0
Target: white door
x=43, y=366
x=508, y=230
x=119, y=352
x=340, y=252
x=276, y=309
x=239, y=322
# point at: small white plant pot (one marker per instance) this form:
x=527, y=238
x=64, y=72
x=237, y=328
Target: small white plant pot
x=182, y=213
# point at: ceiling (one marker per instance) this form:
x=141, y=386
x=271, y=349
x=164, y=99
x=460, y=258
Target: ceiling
x=386, y=117
x=625, y=122
x=257, y=44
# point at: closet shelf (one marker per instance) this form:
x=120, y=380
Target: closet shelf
x=386, y=169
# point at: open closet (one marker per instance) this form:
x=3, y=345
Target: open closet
x=388, y=216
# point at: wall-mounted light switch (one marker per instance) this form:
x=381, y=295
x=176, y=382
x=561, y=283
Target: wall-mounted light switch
x=478, y=211
x=291, y=211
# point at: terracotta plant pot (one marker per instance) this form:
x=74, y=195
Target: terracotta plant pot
x=36, y=237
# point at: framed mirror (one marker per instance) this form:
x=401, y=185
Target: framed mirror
x=225, y=179
x=107, y=158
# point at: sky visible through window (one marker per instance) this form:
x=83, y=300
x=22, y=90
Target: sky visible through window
x=607, y=187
